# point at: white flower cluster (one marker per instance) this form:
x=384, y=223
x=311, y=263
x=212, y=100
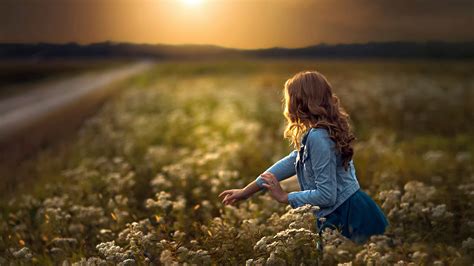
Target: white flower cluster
x=336, y=247
x=114, y=253
x=379, y=251
x=162, y=202
x=89, y=215
x=296, y=243
x=414, y=208
x=24, y=254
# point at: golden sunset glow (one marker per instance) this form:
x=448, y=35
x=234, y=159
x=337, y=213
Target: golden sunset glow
x=192, y=3
x=231, y=23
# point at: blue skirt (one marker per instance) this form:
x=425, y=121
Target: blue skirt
x=358, y=218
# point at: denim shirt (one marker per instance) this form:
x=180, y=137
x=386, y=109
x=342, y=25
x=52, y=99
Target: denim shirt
x=323, y=180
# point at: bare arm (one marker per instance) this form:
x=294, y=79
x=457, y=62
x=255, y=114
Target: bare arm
x=280, y=170
x=250, y=189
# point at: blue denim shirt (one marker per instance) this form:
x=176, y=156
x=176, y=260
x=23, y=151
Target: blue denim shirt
x=323, y=180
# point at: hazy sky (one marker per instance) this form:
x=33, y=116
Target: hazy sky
x=235, y=23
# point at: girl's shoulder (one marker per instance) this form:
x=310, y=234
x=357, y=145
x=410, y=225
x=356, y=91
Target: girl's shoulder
x=318, y=130
x=318, y=136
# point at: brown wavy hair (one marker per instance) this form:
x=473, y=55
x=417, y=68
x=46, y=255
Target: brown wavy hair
x=310, y=103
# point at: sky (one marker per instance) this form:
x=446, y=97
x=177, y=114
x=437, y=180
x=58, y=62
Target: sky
x=246, y=24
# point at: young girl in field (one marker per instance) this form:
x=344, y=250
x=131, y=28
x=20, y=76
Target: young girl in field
x=319, y=129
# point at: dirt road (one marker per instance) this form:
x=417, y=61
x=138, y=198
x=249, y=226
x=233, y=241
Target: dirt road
x=54, y=109
x=17, y=113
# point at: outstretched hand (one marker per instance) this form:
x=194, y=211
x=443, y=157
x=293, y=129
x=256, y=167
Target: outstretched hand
x=273, y=185
x=232, y=196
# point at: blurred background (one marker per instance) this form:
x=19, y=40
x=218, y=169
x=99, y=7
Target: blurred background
x=121, y=122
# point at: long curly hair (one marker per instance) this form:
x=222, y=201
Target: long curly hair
x=310, y=103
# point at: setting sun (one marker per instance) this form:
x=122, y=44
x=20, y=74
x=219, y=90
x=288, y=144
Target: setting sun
x=192, y=2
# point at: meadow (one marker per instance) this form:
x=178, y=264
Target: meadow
x=139, y=182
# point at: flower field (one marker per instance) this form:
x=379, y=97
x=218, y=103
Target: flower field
x=139, y=183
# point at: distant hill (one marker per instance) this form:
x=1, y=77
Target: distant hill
x=432, y=49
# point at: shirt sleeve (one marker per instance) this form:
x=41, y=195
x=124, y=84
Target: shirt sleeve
x=323, y=163
x=282, y=169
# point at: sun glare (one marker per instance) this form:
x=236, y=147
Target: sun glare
x=192, y=2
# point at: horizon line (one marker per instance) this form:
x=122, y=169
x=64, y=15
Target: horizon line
x=233, y=48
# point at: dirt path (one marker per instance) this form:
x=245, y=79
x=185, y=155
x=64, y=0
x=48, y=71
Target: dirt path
x=48, y=113
x=19, y=112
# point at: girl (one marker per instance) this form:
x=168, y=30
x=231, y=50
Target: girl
x=319, y=129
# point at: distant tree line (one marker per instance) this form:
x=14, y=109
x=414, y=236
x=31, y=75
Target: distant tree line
x=397, y=49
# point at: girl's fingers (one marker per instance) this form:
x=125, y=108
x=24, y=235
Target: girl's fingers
x=228, y=198
x=229, y=201
x=272, y=176
x=225, y=192
x=225, y=201
x=265, y=178
x=269, y=176
x=264, y=175
x=269, y=180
